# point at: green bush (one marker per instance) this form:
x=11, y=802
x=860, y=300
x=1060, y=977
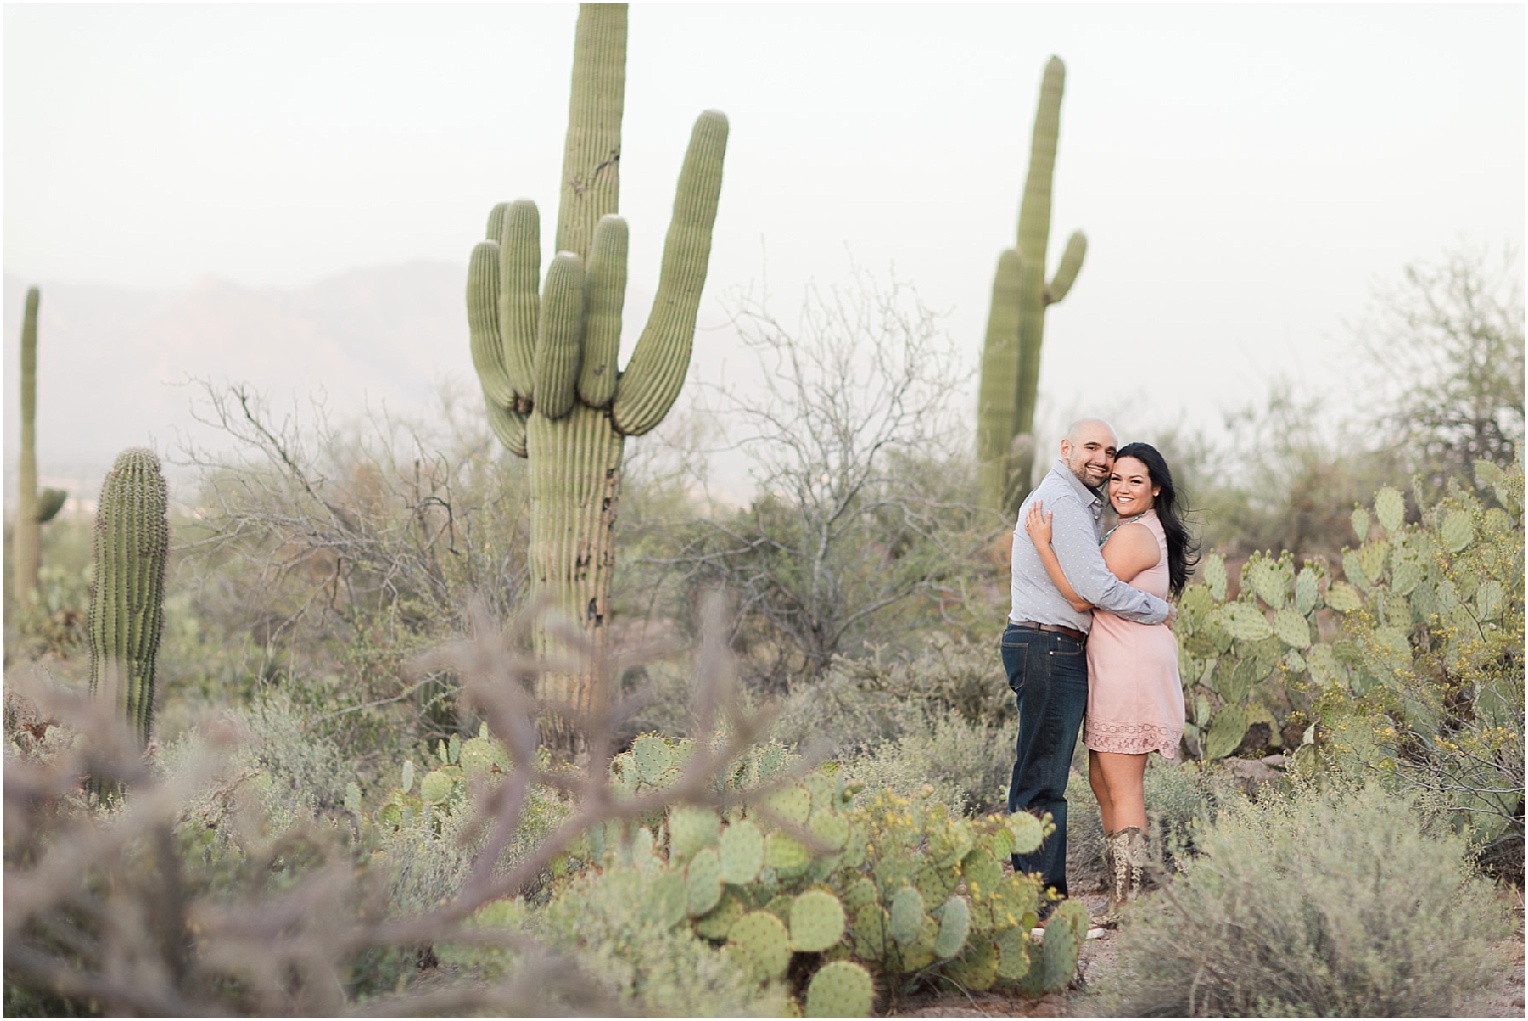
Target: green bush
x=965, y=766
x=860, y=704
x=1336, y=903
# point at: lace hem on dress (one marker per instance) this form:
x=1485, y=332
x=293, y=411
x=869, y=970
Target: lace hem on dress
x=1131, y=738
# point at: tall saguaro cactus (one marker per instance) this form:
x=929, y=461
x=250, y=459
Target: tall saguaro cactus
x=132, y=542
x=32, y=509
x=24, y=541
x=1016, y=322
x=546, y=351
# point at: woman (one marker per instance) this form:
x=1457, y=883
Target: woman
x=1135, y=699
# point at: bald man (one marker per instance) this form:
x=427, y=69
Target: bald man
x=1044, y=645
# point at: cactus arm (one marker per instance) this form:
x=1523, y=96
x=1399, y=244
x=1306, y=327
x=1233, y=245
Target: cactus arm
x=605, y=288
x=508, y=425
x=483, y=324
x=591, y=181
x=661, y=358
x=560, y=340
x=132, y=542
x=496, y=217
x=519, y=296
x=1000, y=366
x=49, y=502
x=1066, y=272
x=24, y=542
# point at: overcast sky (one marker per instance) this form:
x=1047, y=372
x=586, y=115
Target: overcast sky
x=1246, y=175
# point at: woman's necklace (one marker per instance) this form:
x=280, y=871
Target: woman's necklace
x=1127, y=521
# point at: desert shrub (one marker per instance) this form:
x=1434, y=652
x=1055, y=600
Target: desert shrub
x=1325, y=903
x=344, y=550
x=186, y=897
x=294, y=772
x=55, y=623
x=860, y=704
x=963, y=765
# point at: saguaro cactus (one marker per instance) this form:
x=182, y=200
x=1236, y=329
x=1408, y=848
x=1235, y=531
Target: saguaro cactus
x=1016, y=321
x=132, y=541
x=31, y=509
x=547, y=361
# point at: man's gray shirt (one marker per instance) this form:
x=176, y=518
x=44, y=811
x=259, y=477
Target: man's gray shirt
x=1076, y=530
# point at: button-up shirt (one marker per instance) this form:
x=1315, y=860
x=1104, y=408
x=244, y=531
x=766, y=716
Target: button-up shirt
x=1076, y=531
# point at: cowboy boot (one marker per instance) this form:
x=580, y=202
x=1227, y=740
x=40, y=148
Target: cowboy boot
x=1135, y=848
x=1115, y=857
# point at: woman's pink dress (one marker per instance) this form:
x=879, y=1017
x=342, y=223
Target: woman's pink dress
x=1135, y=700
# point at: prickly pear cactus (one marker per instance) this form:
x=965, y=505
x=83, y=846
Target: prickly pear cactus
x=1296, y=643
x=1016, y=321
x=804, y=876
x=546, y=351
x=840, y=989
x=1065, y=932
x=132, y=544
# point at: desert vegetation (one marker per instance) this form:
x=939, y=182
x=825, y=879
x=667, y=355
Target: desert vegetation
x=400, y=716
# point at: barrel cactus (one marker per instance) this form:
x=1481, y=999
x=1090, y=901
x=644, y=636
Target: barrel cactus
x=546, y=351
x=1010, y=372
x=132, y=542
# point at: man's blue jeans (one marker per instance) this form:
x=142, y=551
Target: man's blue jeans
x=1048, y=673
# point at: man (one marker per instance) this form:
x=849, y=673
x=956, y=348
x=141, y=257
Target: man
x=1044, y=643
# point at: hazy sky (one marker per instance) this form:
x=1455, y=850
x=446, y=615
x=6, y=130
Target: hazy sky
x=1246, y=175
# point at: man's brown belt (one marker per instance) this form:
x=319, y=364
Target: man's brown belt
x=1059, y=629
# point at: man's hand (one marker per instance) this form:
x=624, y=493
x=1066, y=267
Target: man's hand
x=1172, y=616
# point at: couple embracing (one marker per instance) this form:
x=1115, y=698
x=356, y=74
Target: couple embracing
x=1089, y=643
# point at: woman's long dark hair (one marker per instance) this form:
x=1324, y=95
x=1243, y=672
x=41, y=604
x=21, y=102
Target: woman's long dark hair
x=1182, y=550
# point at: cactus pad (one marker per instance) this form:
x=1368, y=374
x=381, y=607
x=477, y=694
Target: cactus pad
x=840, y=989
x=1390, y=508
x=741, y=852
x=859, y=893
x=1028, y=832
x=981, y=871
x=1245, y=622
x=1013, y=954
x=977, y=968
x=792, y=804
x=1458, y=531
x=954, y=925
x=691, y=827
x=1361, y=524
x=906, y=914
x=763, y=942
x=830, y=828
x=872, y=932
x=717, y=923
x=1291, y=627
x=816, y=921
x=657, y=763
x=786, y=855
x=1307, y=594
x=704, y=879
